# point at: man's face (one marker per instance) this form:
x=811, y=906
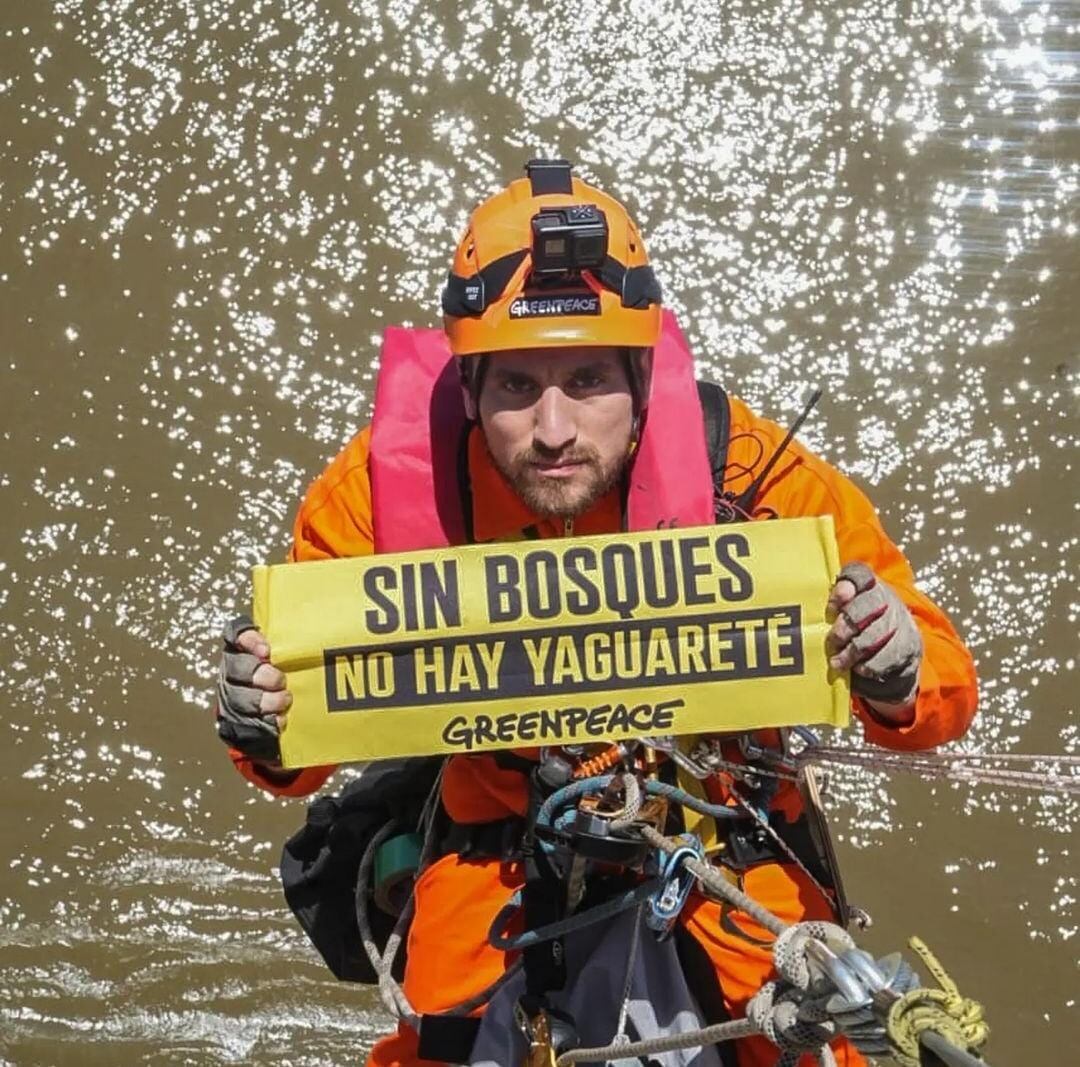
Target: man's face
x=558, y=424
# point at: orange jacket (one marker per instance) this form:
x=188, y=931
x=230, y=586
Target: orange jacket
x=335, y=520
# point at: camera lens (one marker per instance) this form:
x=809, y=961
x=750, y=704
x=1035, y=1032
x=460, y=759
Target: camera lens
x=589, y=249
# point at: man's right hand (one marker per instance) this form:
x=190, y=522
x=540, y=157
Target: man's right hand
x=252, y=698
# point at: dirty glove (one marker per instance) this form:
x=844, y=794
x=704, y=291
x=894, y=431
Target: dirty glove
x=875, y=637
x=251, y=693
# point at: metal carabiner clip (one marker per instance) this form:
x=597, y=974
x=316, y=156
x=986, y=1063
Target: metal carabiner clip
x=670, y=747
x=676, y=884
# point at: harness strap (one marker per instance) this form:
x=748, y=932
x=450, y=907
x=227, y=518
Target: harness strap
x=471, y=295
x=447, y=1038
x=716, y=412
x=637, y=287
x=507, y=760
x=542, y=902
x=499, y=839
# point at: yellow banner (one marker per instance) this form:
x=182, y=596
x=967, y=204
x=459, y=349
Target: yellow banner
x=554, y=642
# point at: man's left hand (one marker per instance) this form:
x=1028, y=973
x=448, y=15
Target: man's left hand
x=875, y=637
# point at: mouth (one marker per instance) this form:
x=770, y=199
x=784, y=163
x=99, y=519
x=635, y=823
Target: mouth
x=559, y=469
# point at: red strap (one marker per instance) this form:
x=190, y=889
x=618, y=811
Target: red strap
x=671, y=481
x=419, y=420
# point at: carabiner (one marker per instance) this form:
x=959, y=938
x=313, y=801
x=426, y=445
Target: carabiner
x=676, y=883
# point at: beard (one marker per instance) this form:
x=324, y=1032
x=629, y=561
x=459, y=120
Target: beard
x=561, y=497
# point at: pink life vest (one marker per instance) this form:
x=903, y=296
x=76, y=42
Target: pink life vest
x=417, y=430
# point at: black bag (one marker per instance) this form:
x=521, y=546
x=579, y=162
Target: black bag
x=319, y=862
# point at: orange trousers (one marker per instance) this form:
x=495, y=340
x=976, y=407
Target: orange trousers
x=450, y=959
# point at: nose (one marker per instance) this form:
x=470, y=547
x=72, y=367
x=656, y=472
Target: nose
x=555, y=427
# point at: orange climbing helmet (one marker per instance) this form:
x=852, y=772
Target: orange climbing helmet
x=550, y=262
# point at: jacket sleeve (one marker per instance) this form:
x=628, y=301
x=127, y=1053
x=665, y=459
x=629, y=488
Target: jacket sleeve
x=802, y=483
x=334, y=521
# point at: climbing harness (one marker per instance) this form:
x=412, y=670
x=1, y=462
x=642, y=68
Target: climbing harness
x=825, y=986
x=627, y=831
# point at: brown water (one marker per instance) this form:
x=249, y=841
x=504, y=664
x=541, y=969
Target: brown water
x=208, y=212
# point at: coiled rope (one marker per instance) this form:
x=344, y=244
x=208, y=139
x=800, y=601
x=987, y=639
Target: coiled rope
x=942, y=1011
x=561, y=798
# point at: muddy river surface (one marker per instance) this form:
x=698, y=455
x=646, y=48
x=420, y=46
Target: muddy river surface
x=209, y=211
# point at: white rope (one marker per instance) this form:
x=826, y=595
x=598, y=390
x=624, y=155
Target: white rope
x=623, y=818
x=958, y=767
x=1039, y=772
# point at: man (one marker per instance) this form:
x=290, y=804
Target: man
x=553, y=315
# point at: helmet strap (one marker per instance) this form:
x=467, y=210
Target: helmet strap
x=473, y=370
x=637, y=362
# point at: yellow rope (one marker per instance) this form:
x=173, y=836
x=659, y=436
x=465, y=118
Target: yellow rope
x=942, y=1011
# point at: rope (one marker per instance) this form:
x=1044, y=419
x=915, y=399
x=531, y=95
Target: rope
x=562, y=798
x=785, y=1011
x=777, y=840
x=631, y=802
x=1038, y=773
x=391, y=994
x=716, y=884
x=781, y=1011
x=941, y=1011
x=575, y=882
x=680, y=796
x=790, y=1018
x=958, y=767
x=710, y=1035
x=628, y=982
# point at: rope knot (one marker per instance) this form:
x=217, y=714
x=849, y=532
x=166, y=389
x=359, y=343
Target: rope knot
x=789, y=950
x=790, y=1011
x=777, y=1011
x=942, y=1011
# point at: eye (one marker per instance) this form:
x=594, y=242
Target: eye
x=586, y=379
x=518, y=384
